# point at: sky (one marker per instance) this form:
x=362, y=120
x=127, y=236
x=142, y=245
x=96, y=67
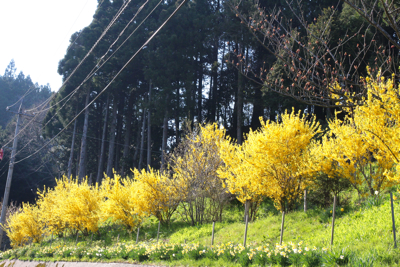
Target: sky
x=35, y=33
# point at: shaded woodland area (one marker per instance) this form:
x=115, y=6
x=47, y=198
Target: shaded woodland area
x=39, y=169
x=203, y=66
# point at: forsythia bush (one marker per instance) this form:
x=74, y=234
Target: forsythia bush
x=273, y=161
x=364, y=147
x=122, y=202
x=71, y=205
x=26, y=224
x=157, y=194
x=240, y=176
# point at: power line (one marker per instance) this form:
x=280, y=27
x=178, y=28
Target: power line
x=69, y=47
x=123, y=7
x=26, y=93
x=97, y=66
x=92, y=72
x=76, y=19
x=108, y=85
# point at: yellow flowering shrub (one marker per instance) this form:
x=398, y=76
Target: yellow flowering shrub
x=26, y=225
x=344, y=152
x=240, y=176
x=157, y=194
x=364, y=147
x=71, y=205
x=122, y=201
x=278, y=153
x=377, y=120
x=49, y=202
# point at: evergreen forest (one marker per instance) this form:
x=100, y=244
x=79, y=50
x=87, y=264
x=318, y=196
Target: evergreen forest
x=127, y=103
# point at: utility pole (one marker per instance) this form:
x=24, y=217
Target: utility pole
x=9, y=176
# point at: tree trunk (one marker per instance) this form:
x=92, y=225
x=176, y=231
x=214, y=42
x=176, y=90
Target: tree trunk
x=177, y=116
x=103, y=139
x=128, y=117
x=164, y=138
x=214, y=92
x=200, y=92
x=82, y=161
x=142, y=140
x=135, y=155
x=117, y=150
x=239, y=106
x=258, y=108
x=111, y=145
x=71, y=155
x=77, y=163
x=149, y=132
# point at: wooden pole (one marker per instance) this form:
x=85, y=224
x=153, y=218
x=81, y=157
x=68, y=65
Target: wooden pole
x=333, y=219
x=393, y=222
x=9, y=175
x=282, y=225
x=158, y=231
x=246, y=209
x=245, y=231
x=76, y=242
x=305, y=200
x=51, y=241
x=212, y=236
x=137, y=235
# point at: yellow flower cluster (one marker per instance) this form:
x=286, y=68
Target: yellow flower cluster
x=25, y=225
x=364, y=146
x=272, y=162
x=78, y=206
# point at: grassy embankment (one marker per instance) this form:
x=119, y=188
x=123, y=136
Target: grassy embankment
x=363, y=237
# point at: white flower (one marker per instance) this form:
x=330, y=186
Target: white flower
x=376, y=192
x=306, y=249
x=295, y=250
x=341, y=257
x=173, y=255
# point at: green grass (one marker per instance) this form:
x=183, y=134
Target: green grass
x=362, y=231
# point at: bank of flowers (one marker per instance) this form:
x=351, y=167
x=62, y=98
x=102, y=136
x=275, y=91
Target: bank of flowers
x=296, y=254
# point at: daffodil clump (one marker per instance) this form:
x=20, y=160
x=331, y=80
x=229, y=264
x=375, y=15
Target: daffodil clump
x=244, y=255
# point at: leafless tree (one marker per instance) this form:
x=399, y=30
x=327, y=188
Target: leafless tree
x=203, y=193
x=312, y=65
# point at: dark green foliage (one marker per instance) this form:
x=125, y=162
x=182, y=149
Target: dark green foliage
x=243, y=258
x=324, y=188
x=138, y=255
x=312, y=259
